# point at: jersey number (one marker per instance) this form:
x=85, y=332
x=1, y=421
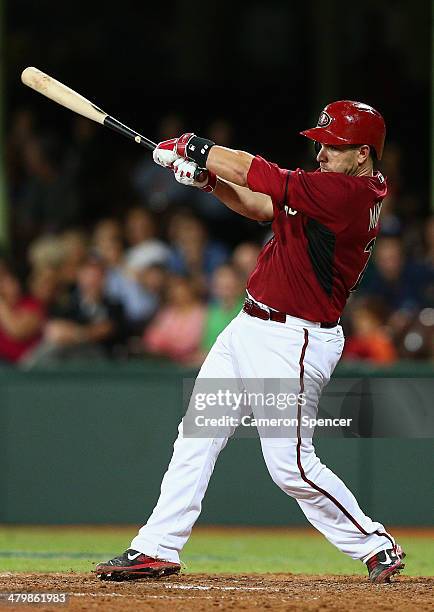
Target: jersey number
x=368, y=249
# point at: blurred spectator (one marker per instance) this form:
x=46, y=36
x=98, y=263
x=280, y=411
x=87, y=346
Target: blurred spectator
x=244, y=259
x=176, y=331
x=193, y=254
x=48, y=199
x=75, y=246
x=107, y=229
x=227, y=294
x=390, y=166
x=153, y=279
x=368, y=340
x=21, y=320
x=21, y=131
x=139, y=304
x=90, y=326
x=43, y=286
x=400, y=283
x=416, y=340
x=47, y=252
x=390, y=224
x=145, y=249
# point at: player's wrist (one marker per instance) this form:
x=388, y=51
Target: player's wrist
x=194, y=148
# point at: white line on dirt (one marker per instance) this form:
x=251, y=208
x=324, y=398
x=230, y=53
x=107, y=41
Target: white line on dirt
x=217, y=588
x=129, y=596
x=183, y=587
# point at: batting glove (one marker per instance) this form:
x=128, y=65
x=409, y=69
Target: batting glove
x=185, y=172
x=165, y=153
x=188, y=146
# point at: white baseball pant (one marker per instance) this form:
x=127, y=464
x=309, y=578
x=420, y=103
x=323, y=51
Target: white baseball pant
x=251, y=348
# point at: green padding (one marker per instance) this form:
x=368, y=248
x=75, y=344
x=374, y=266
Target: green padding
x=91, y=446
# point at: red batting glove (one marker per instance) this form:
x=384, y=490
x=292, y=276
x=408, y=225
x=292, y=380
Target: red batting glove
x=165, y=153
x=182, y=142
x=168, y=151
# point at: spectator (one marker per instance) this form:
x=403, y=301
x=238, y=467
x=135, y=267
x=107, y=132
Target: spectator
x=193, y=254
x=47, y=252
x=227, y=301
x=391, y=166
x=21, y=131
x=400, y=283
x=154, y=279
x=390, y=224
x=21, y=320
x=144, y=247
x=138, y=303
x=417, y=339
x=75, y=246
x=90, y=326
x=48, y=199
x=44, y=285
x=368, y=340
x=244, y=259
x=107, y=229
x=177, y=329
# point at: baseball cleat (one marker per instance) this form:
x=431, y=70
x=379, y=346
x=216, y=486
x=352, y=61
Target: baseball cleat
x=133, y=565
x=385, y=564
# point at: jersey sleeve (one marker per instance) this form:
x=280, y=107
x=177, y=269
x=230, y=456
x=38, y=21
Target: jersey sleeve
x=268, y=178
x=324, y=196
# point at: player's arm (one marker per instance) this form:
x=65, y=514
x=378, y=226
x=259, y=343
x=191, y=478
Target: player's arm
x=229, y=164
x=323, y=196
x=256, y=206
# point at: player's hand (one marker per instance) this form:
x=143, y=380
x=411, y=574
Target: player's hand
x=168, y=151
x=185, y=172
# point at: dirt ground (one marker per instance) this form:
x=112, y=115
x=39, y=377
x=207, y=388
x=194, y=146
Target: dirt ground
x=199, y=592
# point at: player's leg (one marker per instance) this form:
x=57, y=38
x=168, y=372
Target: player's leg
x=188, y=474
x=305, y=357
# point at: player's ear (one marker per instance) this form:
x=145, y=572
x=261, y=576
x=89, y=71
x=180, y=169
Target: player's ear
x=364, y=151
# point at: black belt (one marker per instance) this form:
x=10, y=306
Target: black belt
x=254, y=310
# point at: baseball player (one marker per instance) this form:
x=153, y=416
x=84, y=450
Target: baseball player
x=325, y=225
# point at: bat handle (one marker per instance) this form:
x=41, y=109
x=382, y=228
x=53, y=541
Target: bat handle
x=124, y=130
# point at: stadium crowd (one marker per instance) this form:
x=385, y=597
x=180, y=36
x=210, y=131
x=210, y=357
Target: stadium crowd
x=164, y=271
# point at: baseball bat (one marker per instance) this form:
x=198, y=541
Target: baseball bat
x=60, y=93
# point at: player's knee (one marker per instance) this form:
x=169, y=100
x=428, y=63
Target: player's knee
x=287, y=472
x=287, y=478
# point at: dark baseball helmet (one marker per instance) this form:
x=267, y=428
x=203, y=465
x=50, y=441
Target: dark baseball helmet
x=347, y=122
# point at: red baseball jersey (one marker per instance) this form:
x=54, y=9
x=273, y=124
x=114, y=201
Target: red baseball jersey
x=325, y=225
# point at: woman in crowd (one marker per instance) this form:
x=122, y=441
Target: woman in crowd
x=176, y=331
x=22, y=318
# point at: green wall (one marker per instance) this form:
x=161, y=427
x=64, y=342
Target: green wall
x=88, y=445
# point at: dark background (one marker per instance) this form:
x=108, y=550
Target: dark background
x=268, y=68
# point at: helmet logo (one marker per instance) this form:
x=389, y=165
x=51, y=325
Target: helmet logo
x=324, y=119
